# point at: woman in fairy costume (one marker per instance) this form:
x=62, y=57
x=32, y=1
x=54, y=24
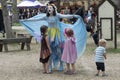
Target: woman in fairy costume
x=55, y=35
x=53, y=19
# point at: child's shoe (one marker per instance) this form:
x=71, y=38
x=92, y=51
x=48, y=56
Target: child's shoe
x=68, y=72
x=74, y=72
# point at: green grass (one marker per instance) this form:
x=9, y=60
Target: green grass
x=16, y=24
x=108, y=50
x=112, y=50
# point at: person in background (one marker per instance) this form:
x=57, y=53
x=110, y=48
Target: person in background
x=100, y=55
x=69, y=55
x=91, y=23
x=96, y=38
x=90, y=11
x=2, y=27
x=67, y=10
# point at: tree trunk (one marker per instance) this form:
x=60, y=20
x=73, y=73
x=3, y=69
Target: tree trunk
x=15, y=12
x=89, y=3
x=8, y=28
x=118, y=4
x=58, y=5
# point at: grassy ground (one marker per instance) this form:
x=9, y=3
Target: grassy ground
x=16, y=24
x=24, y=65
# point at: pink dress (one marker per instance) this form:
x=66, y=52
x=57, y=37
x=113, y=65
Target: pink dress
x=69, y=52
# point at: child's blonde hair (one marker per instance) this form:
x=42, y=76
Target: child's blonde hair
x=102, y=41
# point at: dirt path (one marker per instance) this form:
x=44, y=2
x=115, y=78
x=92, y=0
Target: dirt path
x=24, y=65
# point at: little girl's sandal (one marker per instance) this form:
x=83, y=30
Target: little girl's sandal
x=48, y=72
x=68, y=72
x=74, y=72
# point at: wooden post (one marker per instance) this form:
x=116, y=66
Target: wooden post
x=1, y=47
x=22, y=46
x=6, y=47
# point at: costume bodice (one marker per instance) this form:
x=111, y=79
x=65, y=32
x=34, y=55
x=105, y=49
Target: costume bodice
x=52, y=21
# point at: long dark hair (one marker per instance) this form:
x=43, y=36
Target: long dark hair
x=43, y=30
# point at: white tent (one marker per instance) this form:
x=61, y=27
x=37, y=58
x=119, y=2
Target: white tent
x=37, y=3
x=26, y=4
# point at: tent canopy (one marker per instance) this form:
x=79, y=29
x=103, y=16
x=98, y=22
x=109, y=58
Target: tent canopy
x=27, y=3
x=29, y=0
x=37, y=3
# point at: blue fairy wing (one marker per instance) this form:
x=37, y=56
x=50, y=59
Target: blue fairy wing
x=81, y=36
x=33, y=25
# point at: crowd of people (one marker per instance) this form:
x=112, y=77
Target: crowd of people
x=25, y=13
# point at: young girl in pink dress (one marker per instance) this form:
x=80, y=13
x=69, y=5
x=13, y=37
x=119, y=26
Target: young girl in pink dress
x=69, y=55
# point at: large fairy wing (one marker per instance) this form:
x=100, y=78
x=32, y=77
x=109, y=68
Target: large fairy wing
x=80, y=34
x=33, y=25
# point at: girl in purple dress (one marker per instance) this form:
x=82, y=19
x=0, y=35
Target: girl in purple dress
x=69, y=55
